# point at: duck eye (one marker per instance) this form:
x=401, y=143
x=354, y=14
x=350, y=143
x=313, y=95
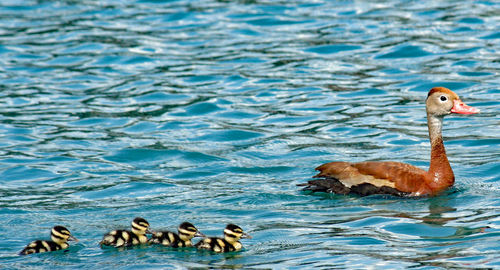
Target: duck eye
x=443, y=98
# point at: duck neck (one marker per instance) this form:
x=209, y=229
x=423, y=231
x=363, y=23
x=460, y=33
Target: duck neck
x=185, y=237
x=58, y=240
x=440, y=172
x=231, y=239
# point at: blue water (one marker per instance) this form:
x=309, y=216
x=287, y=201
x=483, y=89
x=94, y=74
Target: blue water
x=212, y=111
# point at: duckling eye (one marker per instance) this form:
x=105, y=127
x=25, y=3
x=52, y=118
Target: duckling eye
x=443, y=98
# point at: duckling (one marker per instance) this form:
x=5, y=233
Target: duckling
x=186, y=232
x=59, y=235
x=230, y=242
x=121, y=238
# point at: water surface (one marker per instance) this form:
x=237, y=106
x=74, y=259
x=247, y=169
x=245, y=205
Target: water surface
x=212, y=111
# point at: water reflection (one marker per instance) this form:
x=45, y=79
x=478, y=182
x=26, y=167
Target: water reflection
x=212, y=111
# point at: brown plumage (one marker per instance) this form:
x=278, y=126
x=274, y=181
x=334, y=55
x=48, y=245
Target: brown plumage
x=378, y=177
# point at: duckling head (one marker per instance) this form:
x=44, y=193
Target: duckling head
x=60, y=235
x=187, y=231
x=140, y=226
x=233, y=233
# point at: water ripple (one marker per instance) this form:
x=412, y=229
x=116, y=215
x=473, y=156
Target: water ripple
x=212, y=111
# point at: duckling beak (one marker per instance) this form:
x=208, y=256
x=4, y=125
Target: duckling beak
x=72, y=238
x=150, y=231
x=246, y=235
x=199, y=234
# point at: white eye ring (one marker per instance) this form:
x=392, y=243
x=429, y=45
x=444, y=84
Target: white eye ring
x=443, y=98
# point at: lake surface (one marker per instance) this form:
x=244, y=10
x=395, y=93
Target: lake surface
x=213, y=111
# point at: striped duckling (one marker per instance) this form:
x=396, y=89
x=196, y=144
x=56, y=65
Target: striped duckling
x=230, y=242
x=183, y=239
x=59, y=235
x=123, y=238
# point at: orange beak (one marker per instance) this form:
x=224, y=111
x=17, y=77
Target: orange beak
x=462, y=108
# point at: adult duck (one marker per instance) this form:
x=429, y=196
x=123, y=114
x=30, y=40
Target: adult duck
x=389, y=177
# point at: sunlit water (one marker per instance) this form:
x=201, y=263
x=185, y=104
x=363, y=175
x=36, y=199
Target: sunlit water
x=213, y=111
